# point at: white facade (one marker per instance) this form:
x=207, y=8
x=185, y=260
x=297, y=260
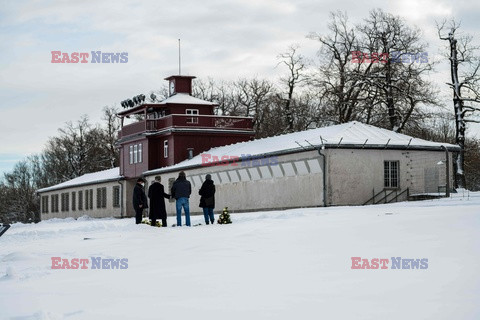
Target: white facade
x=357, y=166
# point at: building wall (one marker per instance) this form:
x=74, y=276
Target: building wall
x=135, y=169
x=108, y=211
x=354, y=175
x=288, y=181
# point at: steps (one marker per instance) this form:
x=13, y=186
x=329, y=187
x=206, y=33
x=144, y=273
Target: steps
x=388, y=196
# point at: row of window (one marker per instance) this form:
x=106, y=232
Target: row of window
x=81, y=200
x=163, y=113
x=287, y=169
x=136, y=153
x=136, y=150
x=253, y=173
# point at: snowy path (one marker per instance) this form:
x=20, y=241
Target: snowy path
x=293, y=264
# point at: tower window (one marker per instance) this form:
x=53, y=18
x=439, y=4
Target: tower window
x=165, y=148
x=192, y=112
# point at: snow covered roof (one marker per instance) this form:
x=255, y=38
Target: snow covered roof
x=352, y=134
x=348, y=135
x=183, y=98
x=95, y=177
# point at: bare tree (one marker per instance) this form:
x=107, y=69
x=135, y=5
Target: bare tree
x=465, y=87
x=296, y=66
x=336, y=77
x=399, y=79
x=112, y=126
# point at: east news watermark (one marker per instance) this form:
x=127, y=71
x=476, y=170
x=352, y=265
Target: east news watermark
x=89, y=57
x=394, y=263
x=243, y=160
x=93, y=263
x=394, y=57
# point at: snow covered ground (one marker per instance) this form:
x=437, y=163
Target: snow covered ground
x=293, y=264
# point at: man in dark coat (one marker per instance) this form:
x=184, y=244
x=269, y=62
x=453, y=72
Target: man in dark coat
x=207, y=199
x=139, y=200
x=181, y=191
x=157, y=196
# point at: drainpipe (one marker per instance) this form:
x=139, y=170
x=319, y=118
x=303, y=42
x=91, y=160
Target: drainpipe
x=121, y=198
x=447, y=172
x=322, y=147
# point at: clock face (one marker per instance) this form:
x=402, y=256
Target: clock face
x=172, y=87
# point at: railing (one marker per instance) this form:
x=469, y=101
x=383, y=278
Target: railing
x=386, y=194
x=188, y=121
x=132, y=128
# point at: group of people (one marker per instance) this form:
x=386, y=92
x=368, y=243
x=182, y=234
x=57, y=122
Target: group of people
x=181, y=190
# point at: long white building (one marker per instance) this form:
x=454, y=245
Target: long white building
x=346, y=164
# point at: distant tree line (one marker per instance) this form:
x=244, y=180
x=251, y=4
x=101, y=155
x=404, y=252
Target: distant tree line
x=374, y=72
x=79, y=148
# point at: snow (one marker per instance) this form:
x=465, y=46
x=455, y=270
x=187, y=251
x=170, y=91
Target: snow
x=183, y=98
x=95, y=177
x=351, y=133
x=292, y=264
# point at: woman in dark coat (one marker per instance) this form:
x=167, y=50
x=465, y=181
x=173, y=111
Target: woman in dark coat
x=207, y=200
x=157, y=196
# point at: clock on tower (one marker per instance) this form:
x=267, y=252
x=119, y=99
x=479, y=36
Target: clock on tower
x=172, y=87
x=180, y=85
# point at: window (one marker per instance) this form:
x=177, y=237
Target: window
x=391, y=174
x=243, y=175
x=266, y=174
x=80, y=200
x=288, y=169
x=192, y=112
x=116, y=196
x=233, y=176
x=301, y=167
x=74, y=201
x=165, y=148
x=87, y=200
x=91, y=199
x=101, y=197
x=254, y=173
x=45, y=204
x=65, y=201
x=54, y=205
x=277, y=171
x=135, y=153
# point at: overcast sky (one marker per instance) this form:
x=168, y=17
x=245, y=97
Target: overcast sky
x=223, y=39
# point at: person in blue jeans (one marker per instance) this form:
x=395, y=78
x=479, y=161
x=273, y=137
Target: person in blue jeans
x=181, y=190
x=207, y=199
